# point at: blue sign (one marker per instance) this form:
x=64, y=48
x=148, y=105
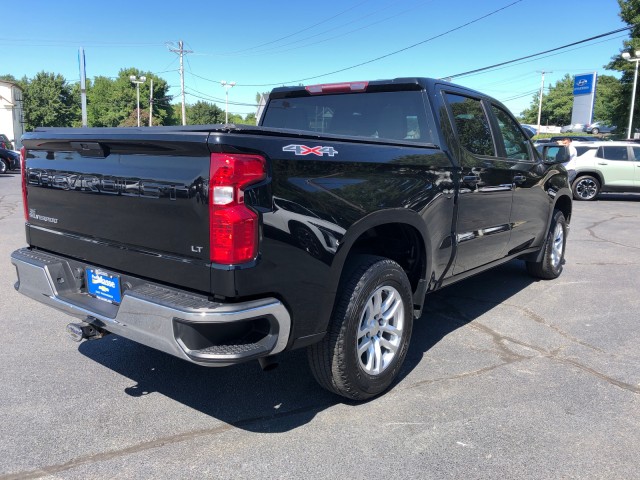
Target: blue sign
x=583, y=84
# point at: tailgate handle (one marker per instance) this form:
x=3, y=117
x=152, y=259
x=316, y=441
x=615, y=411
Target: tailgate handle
x=90, y=149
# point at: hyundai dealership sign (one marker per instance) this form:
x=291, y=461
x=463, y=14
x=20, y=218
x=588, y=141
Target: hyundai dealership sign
x=584, y=97
x=583, y=84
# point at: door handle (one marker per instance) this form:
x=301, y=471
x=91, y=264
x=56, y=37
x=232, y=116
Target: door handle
x=519, y=179
x=603, y=163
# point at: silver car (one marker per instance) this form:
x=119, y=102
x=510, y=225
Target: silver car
x=599, y=127
x=574, y=127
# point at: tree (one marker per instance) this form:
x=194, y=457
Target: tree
x=630, y=14
x=112, y=102
x=48, y=102
x=204, y=113
x=608, y=100
x=556, y=104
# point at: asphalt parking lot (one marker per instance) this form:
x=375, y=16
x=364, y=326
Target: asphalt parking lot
x=506, y=378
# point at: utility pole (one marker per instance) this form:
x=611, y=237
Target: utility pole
x=540, y=100
x=181, y=51
x=151, y=104
x=83, y=87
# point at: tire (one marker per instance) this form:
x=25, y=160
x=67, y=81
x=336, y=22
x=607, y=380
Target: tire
x=595, y=131
x=371, y=287
x=586, y=188
x=550, y=266
x=4, y=168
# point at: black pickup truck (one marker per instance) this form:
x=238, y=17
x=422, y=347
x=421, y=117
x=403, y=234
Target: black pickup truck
x=324, y=227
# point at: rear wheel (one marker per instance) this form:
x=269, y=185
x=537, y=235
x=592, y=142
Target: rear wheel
x=550, y=266
x=586, y=188
x=3, y=166
x=369, y=331
x=595, y=131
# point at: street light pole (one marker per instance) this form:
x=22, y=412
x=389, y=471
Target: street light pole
x=636, y=59
x=138, y=81
x=227, y=86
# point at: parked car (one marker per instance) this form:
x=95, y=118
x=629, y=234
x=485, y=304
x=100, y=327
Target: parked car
x=5, y=142
x=603, y=167
x=574, y=138
x=529, y=130
x=599, y=127
x=9, y=160
x=574, y=127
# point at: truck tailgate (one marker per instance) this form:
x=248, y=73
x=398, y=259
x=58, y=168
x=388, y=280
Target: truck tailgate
x=92, y=194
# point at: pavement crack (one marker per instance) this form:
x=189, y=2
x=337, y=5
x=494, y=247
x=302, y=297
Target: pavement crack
x=610, y=380
x=593, y=234
x=152, y=444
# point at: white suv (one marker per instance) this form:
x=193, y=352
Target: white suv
x=607, y=167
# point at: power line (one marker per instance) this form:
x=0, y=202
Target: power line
x=278, y=49
x=459, y=27
x=477, y=70
x=299, y=31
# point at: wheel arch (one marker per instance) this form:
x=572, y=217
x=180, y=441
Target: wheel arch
x=565, y=205
x=397, y=234
x=593, y=173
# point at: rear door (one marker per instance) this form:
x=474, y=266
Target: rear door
x=617, y=165
x=486, y=189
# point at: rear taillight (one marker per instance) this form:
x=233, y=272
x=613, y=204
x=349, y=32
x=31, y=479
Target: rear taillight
x=233, y=226
x=23, y=171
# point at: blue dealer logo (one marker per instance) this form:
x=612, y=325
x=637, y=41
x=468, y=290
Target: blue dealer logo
x=583, y=84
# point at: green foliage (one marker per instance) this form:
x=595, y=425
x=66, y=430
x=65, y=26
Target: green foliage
x=556, y=104
x=9, y=78
x=630, y=14
x=609, y=100
x=204, y=113
x=112, y=102
x=49, y=102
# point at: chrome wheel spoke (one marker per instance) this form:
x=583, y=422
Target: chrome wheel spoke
x=380, y=331
x=392, y=347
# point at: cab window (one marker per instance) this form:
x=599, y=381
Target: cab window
x=471, y=124
x=516, y=144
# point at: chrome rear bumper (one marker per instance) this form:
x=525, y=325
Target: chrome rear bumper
x=181, y=323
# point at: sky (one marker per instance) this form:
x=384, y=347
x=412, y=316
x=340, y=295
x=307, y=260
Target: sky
x=260, y=45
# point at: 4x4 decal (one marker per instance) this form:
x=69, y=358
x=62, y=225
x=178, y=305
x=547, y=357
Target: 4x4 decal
x=304, y=150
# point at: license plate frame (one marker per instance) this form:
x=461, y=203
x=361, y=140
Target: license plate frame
x=103, y=285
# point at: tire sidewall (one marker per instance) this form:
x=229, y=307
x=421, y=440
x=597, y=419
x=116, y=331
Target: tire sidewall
x=380, y=274
x=582, y=178
x=4, y=167
x=555, y=272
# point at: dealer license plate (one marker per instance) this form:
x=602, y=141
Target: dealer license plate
x=103, y=285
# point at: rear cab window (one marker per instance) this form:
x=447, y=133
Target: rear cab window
x=393, y=115
x=471, y=124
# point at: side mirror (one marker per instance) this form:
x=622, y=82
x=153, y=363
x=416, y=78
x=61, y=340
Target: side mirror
x=555, y=154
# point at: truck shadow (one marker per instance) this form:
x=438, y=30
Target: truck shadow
x=288, y=397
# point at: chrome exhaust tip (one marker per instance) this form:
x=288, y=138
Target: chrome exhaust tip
x=83, y=331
